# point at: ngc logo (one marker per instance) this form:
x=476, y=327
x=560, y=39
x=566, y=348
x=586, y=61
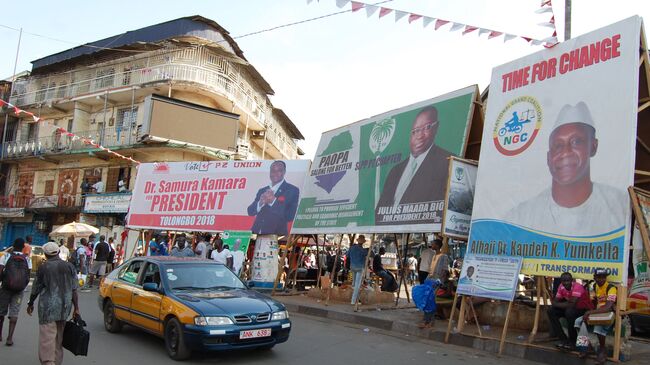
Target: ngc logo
x=517, y=125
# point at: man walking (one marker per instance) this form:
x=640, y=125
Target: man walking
x=56, y=283
x=102, y=251
x=14, y=271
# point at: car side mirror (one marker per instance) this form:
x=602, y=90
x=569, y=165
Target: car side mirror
x=153, y=287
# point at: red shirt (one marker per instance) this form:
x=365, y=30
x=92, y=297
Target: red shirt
x=577, y=291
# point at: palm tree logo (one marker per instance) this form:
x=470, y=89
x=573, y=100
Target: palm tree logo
x=380, y=136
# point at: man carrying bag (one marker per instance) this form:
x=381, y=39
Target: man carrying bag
x=56, y=284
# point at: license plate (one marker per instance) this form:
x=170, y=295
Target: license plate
x=265, y=332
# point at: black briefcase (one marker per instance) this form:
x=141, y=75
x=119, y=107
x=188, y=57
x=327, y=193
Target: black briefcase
x=75, y=337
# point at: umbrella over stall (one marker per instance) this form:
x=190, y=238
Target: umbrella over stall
x=75, y=228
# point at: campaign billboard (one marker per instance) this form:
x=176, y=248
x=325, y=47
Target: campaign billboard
x=256, y=196
x=489, y=276
x=557, y=156
x=387, y=173
x=459, y=199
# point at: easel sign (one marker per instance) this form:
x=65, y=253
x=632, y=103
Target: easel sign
x=488, y=276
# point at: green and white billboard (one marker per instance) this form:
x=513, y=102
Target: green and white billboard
x=387, y=173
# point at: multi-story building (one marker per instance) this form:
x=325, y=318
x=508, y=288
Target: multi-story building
x=176, y=91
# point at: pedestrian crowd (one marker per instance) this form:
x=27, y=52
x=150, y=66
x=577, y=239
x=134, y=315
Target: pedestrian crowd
x=206, y=247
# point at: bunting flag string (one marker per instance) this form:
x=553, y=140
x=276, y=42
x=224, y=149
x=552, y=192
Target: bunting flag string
x=546, y=7
x=63, y=131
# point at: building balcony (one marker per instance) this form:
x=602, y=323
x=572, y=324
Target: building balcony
x=71, y=202
x=199, y=66
x=62, y=144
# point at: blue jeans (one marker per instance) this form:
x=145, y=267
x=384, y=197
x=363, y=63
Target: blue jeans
x=356, y=280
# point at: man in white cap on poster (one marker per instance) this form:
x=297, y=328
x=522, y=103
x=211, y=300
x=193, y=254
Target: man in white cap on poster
x=573, y=204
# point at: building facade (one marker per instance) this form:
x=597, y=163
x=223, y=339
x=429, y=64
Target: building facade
x=176, y=91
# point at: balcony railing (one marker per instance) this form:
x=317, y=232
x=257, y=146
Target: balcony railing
x=199, y=66
x=58, y=143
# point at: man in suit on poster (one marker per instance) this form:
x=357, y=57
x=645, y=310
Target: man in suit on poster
x=274, y=205
x=423, y=176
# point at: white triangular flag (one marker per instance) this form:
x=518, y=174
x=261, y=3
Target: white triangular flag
x=342, y=3
x=535, y=42
x=508, y=37
x=456, y=26
x=426, y=21
x=543, y=10
x=371, y=10
x=547, y=24
x=399, y=15
x=309, y=1
x=482, y=31
x=551, y=40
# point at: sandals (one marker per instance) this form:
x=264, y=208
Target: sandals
x=601, y=359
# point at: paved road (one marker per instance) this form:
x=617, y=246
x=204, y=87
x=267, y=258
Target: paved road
x=312, y=342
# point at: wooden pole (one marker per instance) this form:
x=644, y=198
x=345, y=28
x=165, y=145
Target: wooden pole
x=505, y=329
x=540, y=296
x=364, y=272
x=461, y=314
x=401, y=272
x=478, y=325
x=622, y=293
x=315, y=237
x=451, y=318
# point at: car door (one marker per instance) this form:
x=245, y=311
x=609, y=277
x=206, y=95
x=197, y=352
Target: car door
x=122, y=288
x=145, y=305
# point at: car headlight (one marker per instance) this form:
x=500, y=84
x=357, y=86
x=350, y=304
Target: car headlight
x=280, y=315
x=212, y=321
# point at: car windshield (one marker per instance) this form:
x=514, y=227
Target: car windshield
x=201, y=277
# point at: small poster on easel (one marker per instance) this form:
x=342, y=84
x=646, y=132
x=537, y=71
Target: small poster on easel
x=488, y=276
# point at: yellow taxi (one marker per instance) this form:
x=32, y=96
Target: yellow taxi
x=194, y=304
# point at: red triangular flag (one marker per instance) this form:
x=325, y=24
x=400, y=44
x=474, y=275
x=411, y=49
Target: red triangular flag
x=469, y=29
x=414, y=17
x=552, y=21
x=494, y=34
x=356, y=6
x=440, y=23
x=527, y=39
x=384, y=11
x=17, y=110
x=2, y=103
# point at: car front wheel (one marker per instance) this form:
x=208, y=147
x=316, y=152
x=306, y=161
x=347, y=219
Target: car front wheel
x=174, y=341
x=111, y=323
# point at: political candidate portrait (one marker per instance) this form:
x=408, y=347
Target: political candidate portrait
x=573, y=204
x=275, y=204
x=422, y=177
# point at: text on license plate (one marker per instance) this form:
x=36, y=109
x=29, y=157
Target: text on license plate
x=264, y=332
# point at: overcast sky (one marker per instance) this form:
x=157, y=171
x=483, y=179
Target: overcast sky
x=332, y=71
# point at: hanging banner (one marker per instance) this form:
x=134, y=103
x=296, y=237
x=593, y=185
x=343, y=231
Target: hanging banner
x=387, y=173
x=460, y=198
x=557, y=156
x=489, y=276
x=237, y=242
x=265, y=261
x=257, y=196
x=639, y=297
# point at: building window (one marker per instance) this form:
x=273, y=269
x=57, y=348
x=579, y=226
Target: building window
x=127, y=117
x=105, y=78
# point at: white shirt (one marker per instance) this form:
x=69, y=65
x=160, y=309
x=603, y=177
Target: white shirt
x=3, y=259
x=99, y=186
x=412, y=167
x=275, y=190
x=64, y=253
x=604, y=211
x=203, y=249
x=426, y=256
x=221, y=257
x=412, y=263
x=120, y=186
